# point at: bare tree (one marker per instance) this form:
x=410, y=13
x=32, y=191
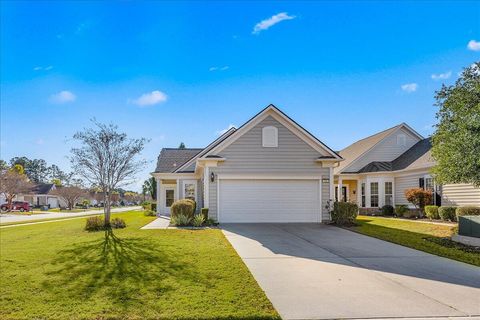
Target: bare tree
x=106, y=158
x=70, y=195
x=13, y=183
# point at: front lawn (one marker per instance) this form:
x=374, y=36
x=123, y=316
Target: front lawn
x=426, y=237
x=58, y=271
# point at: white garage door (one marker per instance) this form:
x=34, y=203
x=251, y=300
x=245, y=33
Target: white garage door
x=269, y=201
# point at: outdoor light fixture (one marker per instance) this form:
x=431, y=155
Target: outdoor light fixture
x=212, y=177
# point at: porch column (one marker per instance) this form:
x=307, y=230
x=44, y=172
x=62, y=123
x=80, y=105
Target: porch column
x=332, y=187
x=160, y=199
x=206, y=185
x=177, y=193
x=359, y=193
x=339, y=190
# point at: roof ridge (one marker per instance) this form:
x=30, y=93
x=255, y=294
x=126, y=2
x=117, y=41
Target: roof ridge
x=373, y=135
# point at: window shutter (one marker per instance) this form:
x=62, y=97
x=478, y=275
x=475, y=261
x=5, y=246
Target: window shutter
x=421, y=183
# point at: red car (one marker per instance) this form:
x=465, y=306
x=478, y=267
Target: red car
x=16, y=205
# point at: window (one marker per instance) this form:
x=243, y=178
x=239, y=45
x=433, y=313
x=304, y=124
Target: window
x=374, y=194
x=429, y=184
x=401, y=140
x=363, y=195
x=389, y=193
x=169, y=197
x=270, y=137
x=189, y=190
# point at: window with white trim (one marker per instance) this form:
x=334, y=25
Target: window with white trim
x=363, y=195
x=389, y=193
x=373, y=194
x=429, y=185
x=270, y=137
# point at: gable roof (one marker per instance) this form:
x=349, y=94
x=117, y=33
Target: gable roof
x=362, y=146
x=274, y=111
x=418, y=156
x=42, y=188
x=171, y=159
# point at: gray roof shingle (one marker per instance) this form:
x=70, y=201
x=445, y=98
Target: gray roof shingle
x=172, y=158
x=418, y=156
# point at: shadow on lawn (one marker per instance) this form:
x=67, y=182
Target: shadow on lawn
x=118, y=269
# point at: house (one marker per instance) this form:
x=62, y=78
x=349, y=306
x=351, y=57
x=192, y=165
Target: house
x=42, y=194
x=378, y=169
x=268, y=170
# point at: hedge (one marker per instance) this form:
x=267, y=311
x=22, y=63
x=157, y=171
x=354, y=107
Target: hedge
x=432, y=212
x=344, y=213
x=184, y=207
x=467, y=211
x=447, y=213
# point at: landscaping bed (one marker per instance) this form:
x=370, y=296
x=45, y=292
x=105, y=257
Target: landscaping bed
x=428, y=237
x=59, y=271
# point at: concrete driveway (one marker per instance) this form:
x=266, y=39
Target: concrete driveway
x=312, y=271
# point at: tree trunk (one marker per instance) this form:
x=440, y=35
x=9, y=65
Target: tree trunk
x=106, y=209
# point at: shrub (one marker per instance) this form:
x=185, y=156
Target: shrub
x=149, y=213
x=180, y=220
x=183, y=207
x=210, y=222
x=432, y=212
x=198, y=220
x=193, y=203
x=387, y=210
x=94, y=224
x=447, y=213
x=204, y=213
x=153, y=206
x=467, y=211
x=117, y=223
x=418, y=197
x=146, y=205
x=412, y=213
x=400, y=210
x=344, y=213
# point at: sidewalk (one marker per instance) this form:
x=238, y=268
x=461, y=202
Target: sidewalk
x=7, y=218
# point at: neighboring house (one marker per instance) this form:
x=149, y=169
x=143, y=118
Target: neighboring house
x=42, y=194
x=268, y=170
x=378, y=169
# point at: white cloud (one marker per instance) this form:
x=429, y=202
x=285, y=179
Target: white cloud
x=220, y=132
x=267, y=23
x=219, y=68
x=39, y=68
x=151, y=98
x=409, y=87
x=442, y=76
x=473, y=45
x=63, y=97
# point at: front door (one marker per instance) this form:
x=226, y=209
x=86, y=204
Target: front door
x=169, y=199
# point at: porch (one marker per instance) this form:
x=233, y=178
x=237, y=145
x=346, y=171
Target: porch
x=170, y=190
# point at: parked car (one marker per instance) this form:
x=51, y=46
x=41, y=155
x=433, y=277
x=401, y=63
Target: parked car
x=17, y=205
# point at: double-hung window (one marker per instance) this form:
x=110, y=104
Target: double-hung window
x=373, y=194
x=363, y=195
x=190, y=190
x=389, y=193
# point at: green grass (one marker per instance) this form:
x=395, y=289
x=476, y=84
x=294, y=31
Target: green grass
x=426, y=237
x=59, y=271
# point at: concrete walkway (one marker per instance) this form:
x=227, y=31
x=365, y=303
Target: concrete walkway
x=159, y=223
x=7, y=218
x=313, y=271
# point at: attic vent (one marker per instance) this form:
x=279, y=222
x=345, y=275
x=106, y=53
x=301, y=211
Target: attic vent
x=401, y=140
x=270, y=137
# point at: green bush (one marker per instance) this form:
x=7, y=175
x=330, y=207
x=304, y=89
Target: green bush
x=193, y=203
x=180, y=220
x=210, y=222
x=447, y=213
x=183, y=207
x=467, y=211
x=432, y=212
x=400, y=210
x=94, y=224
x=153, y=207
x=204, y=213
x=387, y=210
x=344, y=213
x=146, y=205
x=149, y=213
x=117, y=223
x=198, y=220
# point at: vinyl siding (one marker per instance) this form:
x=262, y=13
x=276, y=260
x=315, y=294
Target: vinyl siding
x=406, y=182
x=386, y=150
x=460, y=195
x=247, y=156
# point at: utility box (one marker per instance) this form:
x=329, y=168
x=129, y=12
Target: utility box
x=469, y=226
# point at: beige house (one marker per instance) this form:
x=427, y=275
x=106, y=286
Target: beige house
x=378, y=169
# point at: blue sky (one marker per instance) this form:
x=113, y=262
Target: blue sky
x=184, y=71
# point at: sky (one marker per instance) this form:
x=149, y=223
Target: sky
x=184, y=71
